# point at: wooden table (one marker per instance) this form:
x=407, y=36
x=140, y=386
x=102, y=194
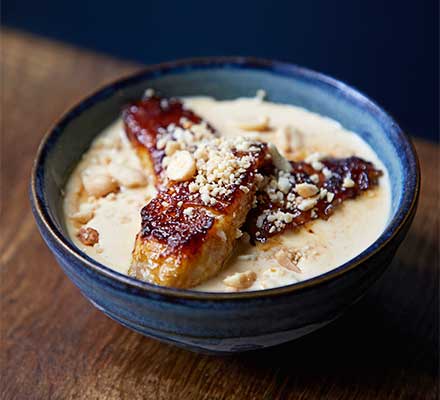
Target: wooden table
x=55, y=345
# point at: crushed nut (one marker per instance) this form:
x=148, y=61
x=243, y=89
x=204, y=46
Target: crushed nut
x=188, y=211
x=330, y=196
x=284, y=184
x=348, y=182
x=314, y=178
x=314, y=157
x=306, y=189
x=84, y=215
x=161, y=143
x=288, y=259
x=185, y=122
x=241, y=280
x=127, y=176
x=307, y=204
x=327, y=173
x=181, y=166
x=260, y=124
x=201, y=131
x=317, y=165
x=98, y=182
x=88, y=236
x=171, y=147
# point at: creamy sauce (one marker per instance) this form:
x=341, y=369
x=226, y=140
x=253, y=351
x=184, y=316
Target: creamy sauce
x=323, y=245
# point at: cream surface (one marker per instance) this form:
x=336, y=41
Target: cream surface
x=321, y=245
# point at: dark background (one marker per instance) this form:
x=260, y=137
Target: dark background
x=386, y=48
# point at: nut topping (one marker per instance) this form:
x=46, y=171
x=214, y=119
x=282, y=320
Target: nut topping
x=127, y=176
x=288, y=259
x=181, y=166
x=84, y=215
x=307, y=204
x=260, y=124
x=241, y=280
x=348, y=182
x=98, y=182
x=88, y=236
x=306, y=189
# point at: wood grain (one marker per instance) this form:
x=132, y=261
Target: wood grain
x=55, y=345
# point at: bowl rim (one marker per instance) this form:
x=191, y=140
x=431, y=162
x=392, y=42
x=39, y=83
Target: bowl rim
x=40, y=209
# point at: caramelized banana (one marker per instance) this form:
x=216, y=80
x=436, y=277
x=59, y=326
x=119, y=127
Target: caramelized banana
x=309, y=191
x=189, y=229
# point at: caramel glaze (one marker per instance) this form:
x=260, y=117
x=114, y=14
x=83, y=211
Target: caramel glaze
x=166, y=222
x=164, y=219
x=362, y=172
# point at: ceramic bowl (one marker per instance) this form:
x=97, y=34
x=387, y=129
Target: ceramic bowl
x=224, y=322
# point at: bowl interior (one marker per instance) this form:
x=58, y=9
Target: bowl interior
x=283, y=83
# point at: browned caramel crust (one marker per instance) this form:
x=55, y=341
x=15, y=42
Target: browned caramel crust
x=361, y=172
x=164, y=219
x=147, y=120
x=187, y=235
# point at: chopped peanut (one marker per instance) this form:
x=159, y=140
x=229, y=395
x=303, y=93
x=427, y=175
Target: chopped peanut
x=330, y=197
x=98, y=182
x=88, y=236
x=127, y=176
x=306, y=189
x=171, y=147
x=288, y=259
x=181, y=166
x=84, y=215
x=258, y=124
x=348, y=182
x=241, y=280
x=307, y=204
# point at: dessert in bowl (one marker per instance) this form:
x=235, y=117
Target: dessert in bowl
x=218, y=220
x=290, y=223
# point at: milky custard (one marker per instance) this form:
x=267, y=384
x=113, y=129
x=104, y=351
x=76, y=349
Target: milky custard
x=318, y=247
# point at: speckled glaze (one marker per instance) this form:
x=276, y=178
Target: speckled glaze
x=224, y=322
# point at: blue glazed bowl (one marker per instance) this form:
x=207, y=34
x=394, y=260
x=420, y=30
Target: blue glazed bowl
x=224, y=322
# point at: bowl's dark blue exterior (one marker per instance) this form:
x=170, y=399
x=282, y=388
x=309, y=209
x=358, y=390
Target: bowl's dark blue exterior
x=224, y=323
